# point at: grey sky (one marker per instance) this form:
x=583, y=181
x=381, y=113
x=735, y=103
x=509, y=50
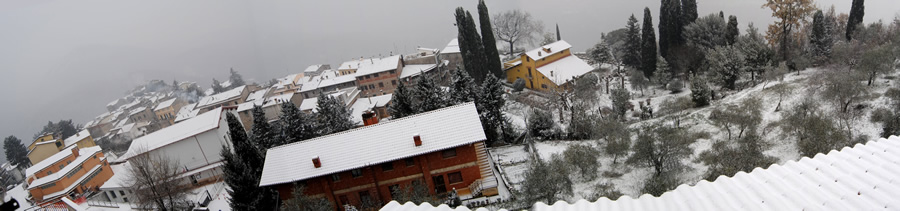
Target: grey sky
x=67, y=59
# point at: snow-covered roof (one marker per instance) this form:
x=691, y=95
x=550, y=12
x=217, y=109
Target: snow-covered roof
x=221, y=97
x=309, y=104
x=177, y=132
x=860, y=178
x=352, y=64
x=555, y=47
x=439, y=129
x=337, y=80
x=47, y=162
x=225, y=83
x=164, y=104
x=565, y=69
x=113, y=103
x=257, y=95
x=127, y=128
x=118, y=179
x=80, y=181
x=137, y=110
x=186, y=112
x=371, y=66
x=363, y=104
x=270, y=101
x=77, y=137
x=313, y=68
x=310, y=86
x=83, y=155
x=416, y=69
x=452, y=46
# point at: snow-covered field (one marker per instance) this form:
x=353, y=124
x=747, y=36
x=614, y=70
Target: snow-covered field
x=513, y=159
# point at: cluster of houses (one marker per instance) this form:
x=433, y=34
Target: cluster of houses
x=442, y=148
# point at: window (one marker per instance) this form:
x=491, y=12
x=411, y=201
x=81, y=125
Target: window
x=121, y=192
x=371, y=86
x=48, y=185
x=544, y=86
x=49, y=172
x=380, y=84
x=449, y=153
x=335, y=177
x=394, y=82
x=362, y=88
x=375, y=75
x=356, y=173
x=113, y=194
x=367, y=77
x=62, y=165
x=387, y=166
x=410, y=162
x=126, y=200
x=454, y=177
x=392, y=71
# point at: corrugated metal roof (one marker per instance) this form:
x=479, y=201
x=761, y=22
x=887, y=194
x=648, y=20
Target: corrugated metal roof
x=440, y=129
x=865, y=177
x=409, y=206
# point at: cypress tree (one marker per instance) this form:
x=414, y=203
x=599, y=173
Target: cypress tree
x=689, y=11
x=648, y=45
x=470, y=45
x=857, y=11
x=670, y=26
x=262, y=132
x=632, y=55
x=558, y=37
x=401, y=102
x=820, y=38
x=731, y=30
x=242, y=170
x=492, y=56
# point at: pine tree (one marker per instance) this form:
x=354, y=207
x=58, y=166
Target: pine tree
x=648, y=45
x=820, y=38
x=401, y=102
x=332, y=116
x=731, y=31
x=463, y=88
x=632, y=54
x=236, y=79
x=490, y=104
x=217, y=87
x=296, y=125
x=262, y=132
x=492, y=55
x=16, y=153
x=857, y=11
x=242, y=170
x=429, y=95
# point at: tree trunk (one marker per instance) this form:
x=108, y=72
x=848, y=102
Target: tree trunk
x=512, y=48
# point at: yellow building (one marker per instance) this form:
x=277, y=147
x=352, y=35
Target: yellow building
x=83, y=139
x=46, y=146
x=168, y=110
x=43, y=150
x=547, y=68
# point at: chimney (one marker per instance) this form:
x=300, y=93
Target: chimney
x=369, y=118
x=539, y=53
x=417, y=139
x=316, y=162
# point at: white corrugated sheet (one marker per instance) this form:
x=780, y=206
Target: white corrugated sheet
x=565, y=69
x=425, y=206
x=865, y=177
x=555, y=47
x=440, y=129
x=177, y=132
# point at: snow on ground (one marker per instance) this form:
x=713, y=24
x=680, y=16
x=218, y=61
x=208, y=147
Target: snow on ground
x=513, y=159
x=20, y=194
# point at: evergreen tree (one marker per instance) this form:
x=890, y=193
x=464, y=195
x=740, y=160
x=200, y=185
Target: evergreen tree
x=558, y=37
x=236, y=79
x=401, y=102
x=820, y=38
x=670, y=26
x=217, y=87
x=620, y=102
x=175, y=85
x=242, y=170
x=429, y=95
x=296, y=125
x=727, y=64
x=689, y=11
x=332, y=116
x=492, y=55
x=262, y=132
x=463, y=88
x=648, y=45
x=731, y=31
x=758, y=54
x=541, y=125
x=632, y=55
x=490, y=104
x=16, y=152
x=857, y=11
x=700, y=92
x=470, y=45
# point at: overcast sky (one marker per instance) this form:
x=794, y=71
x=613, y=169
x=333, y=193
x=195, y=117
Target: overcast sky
x=68, y=59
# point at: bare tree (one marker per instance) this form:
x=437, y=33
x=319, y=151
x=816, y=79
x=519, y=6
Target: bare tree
x=517, y=26
x=154, y=180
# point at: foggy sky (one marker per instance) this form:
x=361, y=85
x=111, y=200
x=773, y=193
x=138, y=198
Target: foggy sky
x=68, y=59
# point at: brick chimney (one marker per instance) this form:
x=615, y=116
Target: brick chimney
x=316, y=162
x=369, y=118
x=417, y=139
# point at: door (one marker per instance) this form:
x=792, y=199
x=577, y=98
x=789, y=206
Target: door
x=439, y=186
